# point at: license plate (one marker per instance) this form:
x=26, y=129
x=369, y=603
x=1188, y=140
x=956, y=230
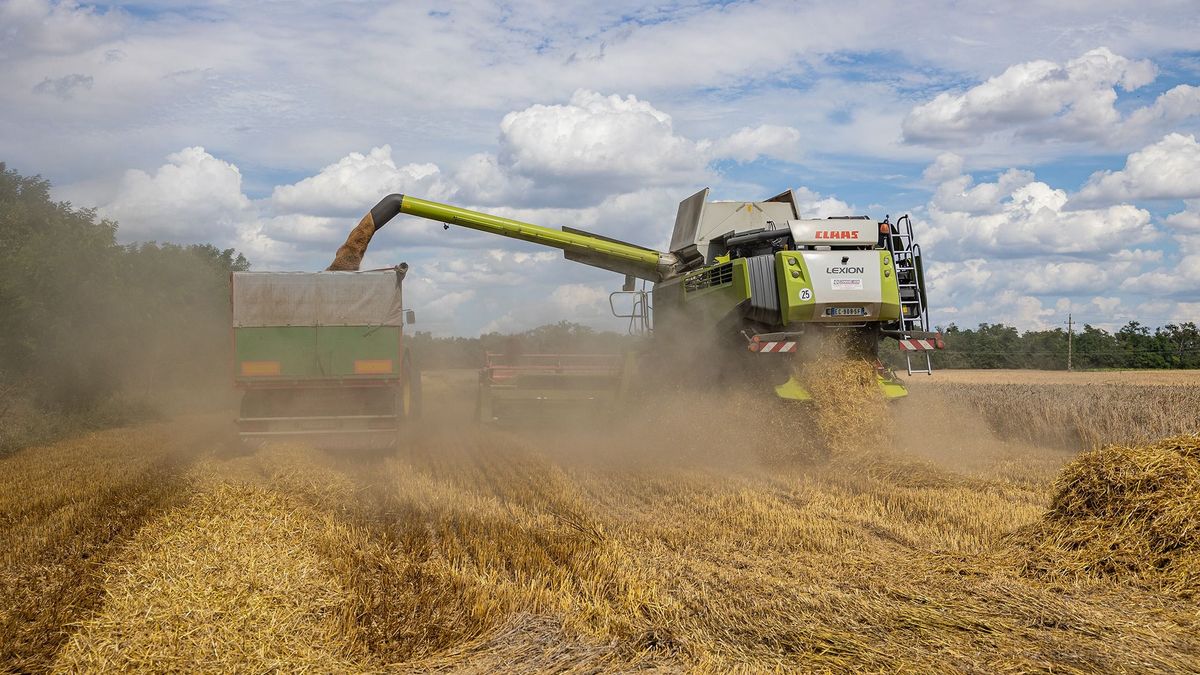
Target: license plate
x=845, y=311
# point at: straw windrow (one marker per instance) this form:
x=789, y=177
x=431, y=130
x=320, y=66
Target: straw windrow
x=1126, y=512
x=232, y=581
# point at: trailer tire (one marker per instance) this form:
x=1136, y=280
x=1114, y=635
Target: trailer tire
x=410, y=389
x=484, y=411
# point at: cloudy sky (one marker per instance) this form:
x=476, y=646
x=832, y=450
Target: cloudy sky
x=1047, y=151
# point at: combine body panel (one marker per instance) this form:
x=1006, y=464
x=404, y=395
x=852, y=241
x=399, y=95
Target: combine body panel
x=321, y=356
x=836, y=287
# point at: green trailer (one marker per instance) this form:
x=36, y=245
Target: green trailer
x=320, y=357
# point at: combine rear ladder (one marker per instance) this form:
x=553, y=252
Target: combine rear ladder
x=914, y=314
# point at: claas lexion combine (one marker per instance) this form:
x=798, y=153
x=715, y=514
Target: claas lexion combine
x=742, y=284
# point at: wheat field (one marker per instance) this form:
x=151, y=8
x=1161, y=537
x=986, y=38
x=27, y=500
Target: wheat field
x=661, y=540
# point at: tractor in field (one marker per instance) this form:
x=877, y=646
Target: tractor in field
x=321, y=357
x=744, y=286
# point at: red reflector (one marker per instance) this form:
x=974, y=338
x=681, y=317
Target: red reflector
x=754, y=345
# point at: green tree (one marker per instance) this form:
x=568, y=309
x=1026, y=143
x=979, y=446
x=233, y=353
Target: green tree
x=84, y=317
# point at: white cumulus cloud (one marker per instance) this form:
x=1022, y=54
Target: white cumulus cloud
x=598, y=145
x=1044, y=100
x=354, y=183
x=596, y=136
x=1019, y=217
x=748, y=144
x=1182, y=280
x=1168, y=169
x=194, y=197
x=814, y=205
x=1187, y=220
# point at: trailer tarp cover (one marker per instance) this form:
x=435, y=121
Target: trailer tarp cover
x=317, y=298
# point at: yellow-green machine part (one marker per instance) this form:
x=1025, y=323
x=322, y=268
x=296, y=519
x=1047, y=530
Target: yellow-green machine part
x=741, y=275
x=591, y=249
x=891, y=388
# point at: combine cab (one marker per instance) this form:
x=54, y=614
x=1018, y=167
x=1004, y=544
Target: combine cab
x=320, y=357
x=517, y=386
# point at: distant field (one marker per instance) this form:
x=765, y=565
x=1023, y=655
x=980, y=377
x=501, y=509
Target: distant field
x=1007, y=376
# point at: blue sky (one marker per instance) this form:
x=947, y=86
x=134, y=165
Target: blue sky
x=1047, y=151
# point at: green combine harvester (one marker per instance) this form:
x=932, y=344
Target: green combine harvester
x=743, y=285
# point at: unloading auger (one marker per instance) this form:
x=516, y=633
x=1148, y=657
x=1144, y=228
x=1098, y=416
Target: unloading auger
x=742, y=282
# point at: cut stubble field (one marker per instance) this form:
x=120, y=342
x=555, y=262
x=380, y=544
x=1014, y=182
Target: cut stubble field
x=662, y=540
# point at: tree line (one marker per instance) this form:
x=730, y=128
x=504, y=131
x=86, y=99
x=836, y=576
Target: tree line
x=988, y=346
x=563, y=337
x=1175, y=345
x=86, y=318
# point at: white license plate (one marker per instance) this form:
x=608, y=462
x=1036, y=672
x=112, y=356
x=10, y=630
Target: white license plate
x=845, y=311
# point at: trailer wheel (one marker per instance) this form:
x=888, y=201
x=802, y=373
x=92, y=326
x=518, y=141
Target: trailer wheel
x=484, y=412
x=410, y=389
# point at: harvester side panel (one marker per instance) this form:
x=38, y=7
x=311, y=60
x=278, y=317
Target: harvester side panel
x=714, y=292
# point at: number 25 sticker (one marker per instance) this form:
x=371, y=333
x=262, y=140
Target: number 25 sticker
x=806, y=294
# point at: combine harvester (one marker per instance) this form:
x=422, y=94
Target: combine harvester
x=745, y=289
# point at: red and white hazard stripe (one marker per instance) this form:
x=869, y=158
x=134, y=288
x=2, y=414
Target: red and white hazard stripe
x=777, y=347
x=921, y=345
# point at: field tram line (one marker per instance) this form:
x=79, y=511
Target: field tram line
x=441, y=560
x=48, y=591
